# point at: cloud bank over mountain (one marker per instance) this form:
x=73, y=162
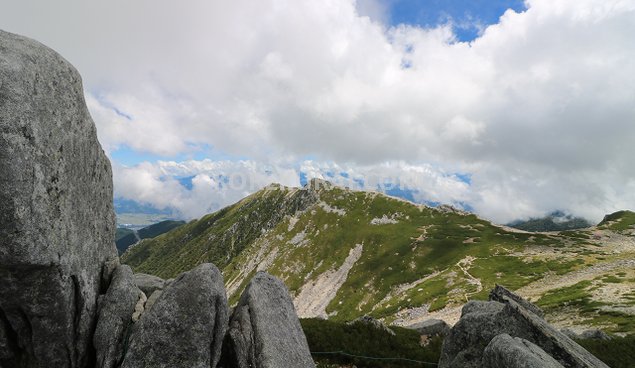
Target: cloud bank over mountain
x=538, y=110
x=194, y=188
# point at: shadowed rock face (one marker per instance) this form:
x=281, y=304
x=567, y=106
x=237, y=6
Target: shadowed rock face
x=264, y=331
x=431, y=327
x=56, y=220
x=115, y=318
x=185, y=326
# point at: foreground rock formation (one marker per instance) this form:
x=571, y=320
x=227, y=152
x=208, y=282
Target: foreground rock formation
x=114, y=320
x=508, y=333
x=57, y=222
x=264, y=331
x=65, y=301
x=186, y=325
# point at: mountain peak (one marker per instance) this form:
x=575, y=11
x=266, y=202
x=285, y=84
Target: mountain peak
x=318, y=184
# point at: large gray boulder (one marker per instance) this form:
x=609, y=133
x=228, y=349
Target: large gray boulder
x=535, y=329
x=115, y=318
x=505, y=351
x=594, y=334
x=479, y=324
x=264, y=331
x=431, y=327
x=186, y=325
x=57, y=224
x=148, y=283
x=482, y=321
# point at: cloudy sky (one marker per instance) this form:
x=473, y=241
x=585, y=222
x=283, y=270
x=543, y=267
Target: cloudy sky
x=505, y=108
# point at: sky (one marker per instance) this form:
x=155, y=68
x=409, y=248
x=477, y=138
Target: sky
x=508, y=109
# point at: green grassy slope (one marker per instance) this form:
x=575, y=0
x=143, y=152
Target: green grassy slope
x=217, y=237
x=417, y=257
x=619, y=221
x=367, y=346
x=344, y=254
x=159, y=228
x=404, y=348
x=122, y=232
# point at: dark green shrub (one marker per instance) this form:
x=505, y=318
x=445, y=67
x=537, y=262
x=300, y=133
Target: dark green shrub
x=357, y=343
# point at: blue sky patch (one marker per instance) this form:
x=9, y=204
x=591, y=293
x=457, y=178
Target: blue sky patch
x=464, y=177
x=468, y=17
x=407, y=194
x=186, y=182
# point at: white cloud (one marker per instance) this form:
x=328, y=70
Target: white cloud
x=539, y=109
x=194, y=188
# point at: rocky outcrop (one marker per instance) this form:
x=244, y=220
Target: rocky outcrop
x=57, y=222
x=463, y=347
x=505, y=351
x=500, y=294
x=148, y=283
x=65, y=299
x=481, y=322
x=264, y=330
x=593, y=334
x=115, y=318
x=185, y=327
x=431, y=327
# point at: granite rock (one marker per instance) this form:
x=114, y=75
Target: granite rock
x=185, y=327
x=57, y=223
x=264, y=330
x=115, y=318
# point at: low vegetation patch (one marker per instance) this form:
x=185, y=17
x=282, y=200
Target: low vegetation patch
x=366, y=346
x=618, y=352
x=576, y=295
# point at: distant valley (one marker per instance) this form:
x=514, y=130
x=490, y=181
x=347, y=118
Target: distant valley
x=125, y=237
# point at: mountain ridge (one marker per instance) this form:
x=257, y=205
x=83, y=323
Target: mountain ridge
x=346, y=253
x=555, y=221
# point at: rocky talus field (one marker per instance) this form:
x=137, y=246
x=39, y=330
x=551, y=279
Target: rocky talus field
x=226, y=290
